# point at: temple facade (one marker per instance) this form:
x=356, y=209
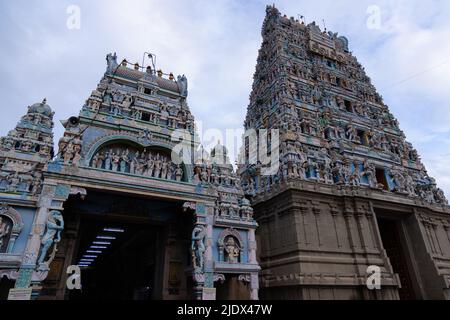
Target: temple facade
x=350, y=192
x=132, y=202
x=131, y=199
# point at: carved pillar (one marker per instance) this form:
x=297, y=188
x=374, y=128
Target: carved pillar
x=334, y=214
x=304, y=214
x=252, y=246
x=203, y=275
x=316, y=210
x=363, y=232
x=52, y=197
x=34, y=241
x=254, y=287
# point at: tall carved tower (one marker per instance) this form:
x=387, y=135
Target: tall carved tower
x=350, y=191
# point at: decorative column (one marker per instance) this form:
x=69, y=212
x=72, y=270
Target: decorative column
x=252, y=246
x=202, y=255
x=254, y=286
x=34, y=242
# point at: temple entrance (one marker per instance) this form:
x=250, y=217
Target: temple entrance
x=120, y=261
x=128, y=248
x=394, y=243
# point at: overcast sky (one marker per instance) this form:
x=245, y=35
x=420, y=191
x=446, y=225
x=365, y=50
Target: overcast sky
x=215, y=43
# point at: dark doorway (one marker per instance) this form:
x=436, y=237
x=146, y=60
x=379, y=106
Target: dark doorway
x=120, y=261
x=5, y=286
x=394, y=244
x=127, y=248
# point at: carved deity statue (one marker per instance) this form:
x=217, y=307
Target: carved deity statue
x=52, y=235
x=198, y=246
x=232, y=250
x=182, y=85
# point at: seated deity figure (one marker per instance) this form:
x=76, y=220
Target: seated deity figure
x=355, y=176
x=232, y=251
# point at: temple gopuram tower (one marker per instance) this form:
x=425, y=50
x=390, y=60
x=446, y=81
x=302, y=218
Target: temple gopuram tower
x=351, y=194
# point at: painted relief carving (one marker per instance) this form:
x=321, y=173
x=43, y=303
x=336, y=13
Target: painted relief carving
x=51, y=237
x=148, y=163
x=230, y=245
x=232, y=250
x=198, y=247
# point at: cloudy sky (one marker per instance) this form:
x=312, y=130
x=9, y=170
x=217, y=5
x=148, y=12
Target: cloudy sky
x=215, y=43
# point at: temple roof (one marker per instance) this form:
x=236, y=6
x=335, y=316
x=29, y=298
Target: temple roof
x=42, y=108
x=137, y=75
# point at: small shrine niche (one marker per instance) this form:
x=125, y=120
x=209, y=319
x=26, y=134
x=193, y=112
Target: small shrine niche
x=230, y=245
x=232, y=250
x=11, y=225
x=6, y=226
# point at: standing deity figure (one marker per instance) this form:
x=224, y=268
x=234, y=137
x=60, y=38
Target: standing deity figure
x=4, y=231
x=124, y=160
x=115, y=161
x=52, y=235
x=158, y=166
x=182, y=85
x=150, y=165
x=134, y=163
x=198, y=246
x=95, y=161
x=108, y=161
x=178, y=173
x=164, y=169
x=232, y=250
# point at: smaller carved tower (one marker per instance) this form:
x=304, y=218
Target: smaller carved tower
x=25, y=151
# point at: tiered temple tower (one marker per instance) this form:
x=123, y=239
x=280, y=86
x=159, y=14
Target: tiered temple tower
x=350, y=191
x=25, y=151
